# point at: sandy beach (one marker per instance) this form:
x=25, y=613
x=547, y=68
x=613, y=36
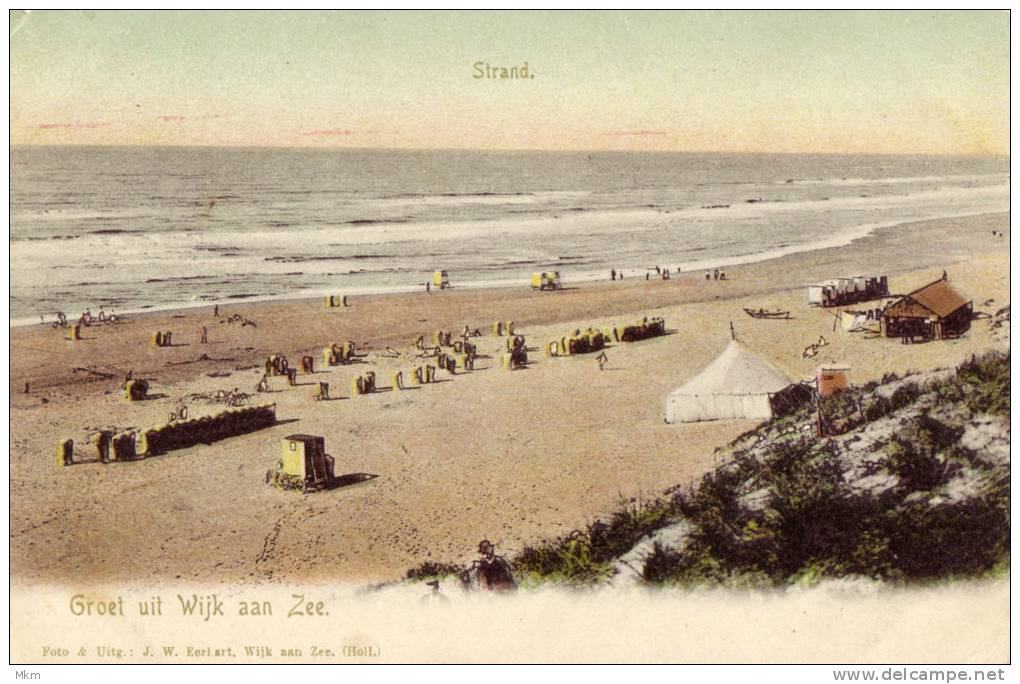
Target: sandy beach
x=514, y=457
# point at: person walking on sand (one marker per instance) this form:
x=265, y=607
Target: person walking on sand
x=715, y=274
x=216, y=311
x=603, y=360
x=205, y=335
x=612, y=275
x=428, y=287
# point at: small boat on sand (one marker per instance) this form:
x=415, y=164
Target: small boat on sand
x=778, y=314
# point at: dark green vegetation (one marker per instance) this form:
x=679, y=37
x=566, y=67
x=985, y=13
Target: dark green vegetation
x=910, y=483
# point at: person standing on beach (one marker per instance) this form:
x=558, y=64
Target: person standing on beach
x=216, y=311
x=428, y=287
x=603, y=360
x=205, y=335
x=493, y=571
x=612, y=275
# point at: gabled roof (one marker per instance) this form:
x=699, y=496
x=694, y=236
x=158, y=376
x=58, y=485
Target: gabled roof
x=736, y=371
x=939, y=298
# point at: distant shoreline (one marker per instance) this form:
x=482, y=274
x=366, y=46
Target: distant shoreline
x=847, y=238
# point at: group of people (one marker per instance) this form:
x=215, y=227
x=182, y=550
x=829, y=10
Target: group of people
x=664, y=273
x=234, y=397
x=811, y=350
x=86, y=319
x=488, y=573
x=238, y=318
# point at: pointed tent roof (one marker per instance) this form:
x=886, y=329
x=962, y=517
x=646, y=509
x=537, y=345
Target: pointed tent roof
x=736, y=371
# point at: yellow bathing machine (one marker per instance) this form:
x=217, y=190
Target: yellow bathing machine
x=441, y=279
x=305, y=464
x=546, y=280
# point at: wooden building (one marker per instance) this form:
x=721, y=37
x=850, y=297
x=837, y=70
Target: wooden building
x=305, y=457
x=933, y=312
x=831, y=379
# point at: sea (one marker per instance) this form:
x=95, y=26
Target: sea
x=143, y=228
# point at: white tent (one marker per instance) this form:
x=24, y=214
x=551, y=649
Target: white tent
x=736, y=385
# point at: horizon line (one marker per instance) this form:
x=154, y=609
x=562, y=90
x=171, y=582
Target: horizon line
x=354, y=148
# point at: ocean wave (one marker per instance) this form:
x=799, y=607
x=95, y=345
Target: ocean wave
x=372, y=222
x=375, y=229
x=302, y=259
x=179, y=279
x=896, y=180
x=223, y=251
x=414, y=195
x=36, y=238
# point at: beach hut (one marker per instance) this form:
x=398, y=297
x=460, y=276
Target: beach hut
x=305, y=457
x=736, y=385
x=816, y=295
x=935, y=311
x=546, y=280
x=832, y=378
x=844, y=291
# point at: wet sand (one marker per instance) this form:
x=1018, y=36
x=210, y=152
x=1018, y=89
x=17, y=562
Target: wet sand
x=510, y=456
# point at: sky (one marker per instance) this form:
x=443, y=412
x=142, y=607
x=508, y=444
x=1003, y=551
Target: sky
x=788, y=82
